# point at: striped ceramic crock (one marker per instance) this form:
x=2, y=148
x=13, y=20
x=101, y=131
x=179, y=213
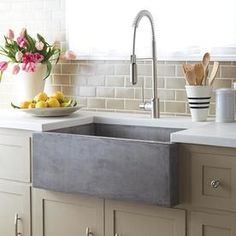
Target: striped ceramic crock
x=199, y=101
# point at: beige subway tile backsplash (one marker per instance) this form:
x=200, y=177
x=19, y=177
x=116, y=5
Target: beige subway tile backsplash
x=132, y=104
x=96, y=103
x=96, y=80
x=122, y=69
x=115, y=81
x=175, y=83
x=61, y=79
x=105, y=85
x=175, y=107
x=222, y=83
x=166, y=70
x=70, y=69
x=117, y=104
x=180, y=95
x=124, y=93
x=84, y=91
x=228, y=72
x=105, y=92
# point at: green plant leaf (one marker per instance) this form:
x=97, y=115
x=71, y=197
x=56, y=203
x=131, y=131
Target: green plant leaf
x=49, y=69
x=14, y=106
x=41, y=38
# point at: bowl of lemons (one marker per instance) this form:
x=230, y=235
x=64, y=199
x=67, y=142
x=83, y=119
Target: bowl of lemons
x=56, y=104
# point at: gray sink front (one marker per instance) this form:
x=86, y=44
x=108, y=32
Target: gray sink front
x=109, y=161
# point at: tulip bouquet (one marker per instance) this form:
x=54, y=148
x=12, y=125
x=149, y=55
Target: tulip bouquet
x=26, y=52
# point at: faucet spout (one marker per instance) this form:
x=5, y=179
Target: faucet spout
x=154, y=104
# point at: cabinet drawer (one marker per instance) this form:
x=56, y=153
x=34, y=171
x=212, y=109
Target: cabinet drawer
x=15, y=157
x=134, y=219
x=213, y=180
x=206, y=224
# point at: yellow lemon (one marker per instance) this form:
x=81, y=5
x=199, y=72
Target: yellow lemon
x=58, y=95
x=41, y=104
x=42, y=96
x=25, y=104
x=31, y=105
x=53, y=102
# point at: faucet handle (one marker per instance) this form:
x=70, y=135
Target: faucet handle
x=133, y=69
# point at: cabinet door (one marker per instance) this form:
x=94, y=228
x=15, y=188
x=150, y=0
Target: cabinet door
x=204, y=224
x=211, y=177
x=14, y=201
x=14, y=157
x=128, y=219
x=59, y=214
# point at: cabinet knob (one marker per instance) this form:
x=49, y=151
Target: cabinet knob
x=17, y=219
x=117, y=235
x=88, y=232
x=215, y=183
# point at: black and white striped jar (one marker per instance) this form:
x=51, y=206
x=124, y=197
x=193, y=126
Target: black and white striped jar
x=199, y=101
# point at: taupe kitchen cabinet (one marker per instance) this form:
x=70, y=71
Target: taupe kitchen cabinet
x=59, y=214
x=208, y=189
x=15, y=208
x=209, y=224
x=133, y=219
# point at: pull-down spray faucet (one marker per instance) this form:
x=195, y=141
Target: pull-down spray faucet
x=153, y=105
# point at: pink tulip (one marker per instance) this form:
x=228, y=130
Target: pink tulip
x=22, y=33
x=39, y=45
x=21, y=41
x=38, y=57
x=29, y=67
x=10, y=34
x=15, y=69
x=19, y=56
x=70, y=55
x=3, y=66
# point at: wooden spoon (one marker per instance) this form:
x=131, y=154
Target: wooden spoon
x=205, y=63
x=199, y=71
x=213, y=73
x=189, y=74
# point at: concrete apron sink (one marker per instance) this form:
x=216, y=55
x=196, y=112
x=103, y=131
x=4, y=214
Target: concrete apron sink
x=109, y=161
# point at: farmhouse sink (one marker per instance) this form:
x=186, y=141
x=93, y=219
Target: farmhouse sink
x=110, y=161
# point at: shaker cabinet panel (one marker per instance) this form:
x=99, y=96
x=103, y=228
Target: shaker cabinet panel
x=208, y=177
x=205, y=224
x=14, y=209
x=15, y=158
x=129, y=219
x=59, y=214
x=213, y=181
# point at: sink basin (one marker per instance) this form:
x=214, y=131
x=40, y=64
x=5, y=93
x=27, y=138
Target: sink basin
x=122, y=162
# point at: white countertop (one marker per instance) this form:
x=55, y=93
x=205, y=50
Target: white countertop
x=216, y=134
x=205, y=133
x=15, y=119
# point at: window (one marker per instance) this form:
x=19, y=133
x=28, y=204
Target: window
x=185, y=29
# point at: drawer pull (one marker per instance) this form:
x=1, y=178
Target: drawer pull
x=215, y=183
x=17, y=218
x=88, y=232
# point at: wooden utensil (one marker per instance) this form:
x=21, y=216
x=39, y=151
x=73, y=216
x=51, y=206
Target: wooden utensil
x=205, y=63
x=213, y=72
x=189, y=74
x=199, y=71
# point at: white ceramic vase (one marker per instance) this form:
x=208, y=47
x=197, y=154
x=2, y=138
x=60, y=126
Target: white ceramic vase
x=29, y=84
x=199, y=101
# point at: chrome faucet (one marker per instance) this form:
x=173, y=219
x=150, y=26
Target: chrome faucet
x=153, y=105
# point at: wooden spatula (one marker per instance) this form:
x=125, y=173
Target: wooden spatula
x=199, y=71
x=189, y=74
x=213, y=72
x=205, y=63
